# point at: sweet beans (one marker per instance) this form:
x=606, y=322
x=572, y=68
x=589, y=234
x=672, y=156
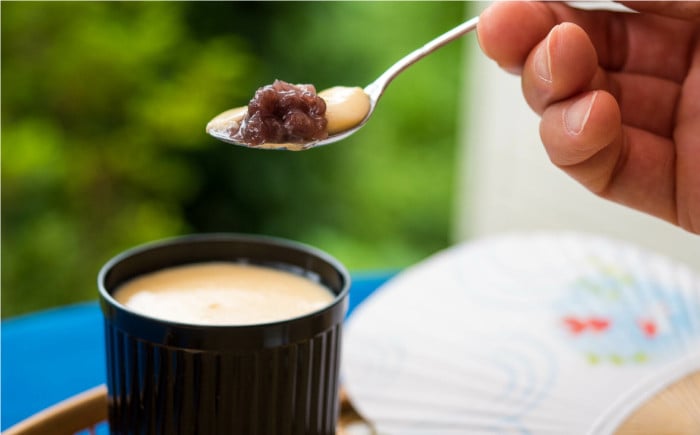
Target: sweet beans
x=282, y=112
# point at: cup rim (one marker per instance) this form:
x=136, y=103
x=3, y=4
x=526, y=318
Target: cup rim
x=109, y=265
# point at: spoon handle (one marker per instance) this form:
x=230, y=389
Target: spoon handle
x=376, y=88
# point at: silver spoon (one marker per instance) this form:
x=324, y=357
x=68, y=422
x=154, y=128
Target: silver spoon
x=374, y=91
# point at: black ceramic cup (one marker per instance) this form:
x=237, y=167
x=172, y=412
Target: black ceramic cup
x=165, y=377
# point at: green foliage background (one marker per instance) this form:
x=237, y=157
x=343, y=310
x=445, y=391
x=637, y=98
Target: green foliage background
x=103, y=147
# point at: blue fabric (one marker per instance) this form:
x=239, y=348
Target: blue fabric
x=52, y=355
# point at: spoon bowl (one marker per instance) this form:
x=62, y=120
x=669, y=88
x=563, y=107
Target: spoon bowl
x=374, y=92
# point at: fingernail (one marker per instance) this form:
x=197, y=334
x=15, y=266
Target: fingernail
x=541, y=61
x=576, y=115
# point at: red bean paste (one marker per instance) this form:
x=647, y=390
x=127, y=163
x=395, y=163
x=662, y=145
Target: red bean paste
x=283, y=113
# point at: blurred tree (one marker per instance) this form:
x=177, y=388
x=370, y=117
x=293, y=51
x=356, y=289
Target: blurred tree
x=104, y=106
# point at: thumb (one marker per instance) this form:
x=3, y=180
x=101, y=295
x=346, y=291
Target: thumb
x=687, y=10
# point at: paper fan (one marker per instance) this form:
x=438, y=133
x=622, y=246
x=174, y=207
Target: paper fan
x=524, y=334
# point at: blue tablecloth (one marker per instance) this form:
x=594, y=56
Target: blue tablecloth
x=52, y=355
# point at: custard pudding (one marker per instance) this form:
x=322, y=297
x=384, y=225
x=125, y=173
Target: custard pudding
x=221, y=293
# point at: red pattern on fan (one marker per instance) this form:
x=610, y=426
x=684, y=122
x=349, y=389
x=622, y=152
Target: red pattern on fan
x=579, y=325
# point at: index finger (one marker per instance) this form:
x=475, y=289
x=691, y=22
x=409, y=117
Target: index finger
x=629, y=42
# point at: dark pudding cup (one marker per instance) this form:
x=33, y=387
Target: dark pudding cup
x=166, y=377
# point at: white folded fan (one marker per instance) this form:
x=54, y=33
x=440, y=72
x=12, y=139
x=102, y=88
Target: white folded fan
x=539, y=333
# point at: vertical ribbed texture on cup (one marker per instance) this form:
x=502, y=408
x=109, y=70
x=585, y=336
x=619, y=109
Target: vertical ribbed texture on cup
x=169, y=378
x=286, y=390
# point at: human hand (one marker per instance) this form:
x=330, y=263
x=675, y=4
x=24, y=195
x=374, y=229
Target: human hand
x=618, y=93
